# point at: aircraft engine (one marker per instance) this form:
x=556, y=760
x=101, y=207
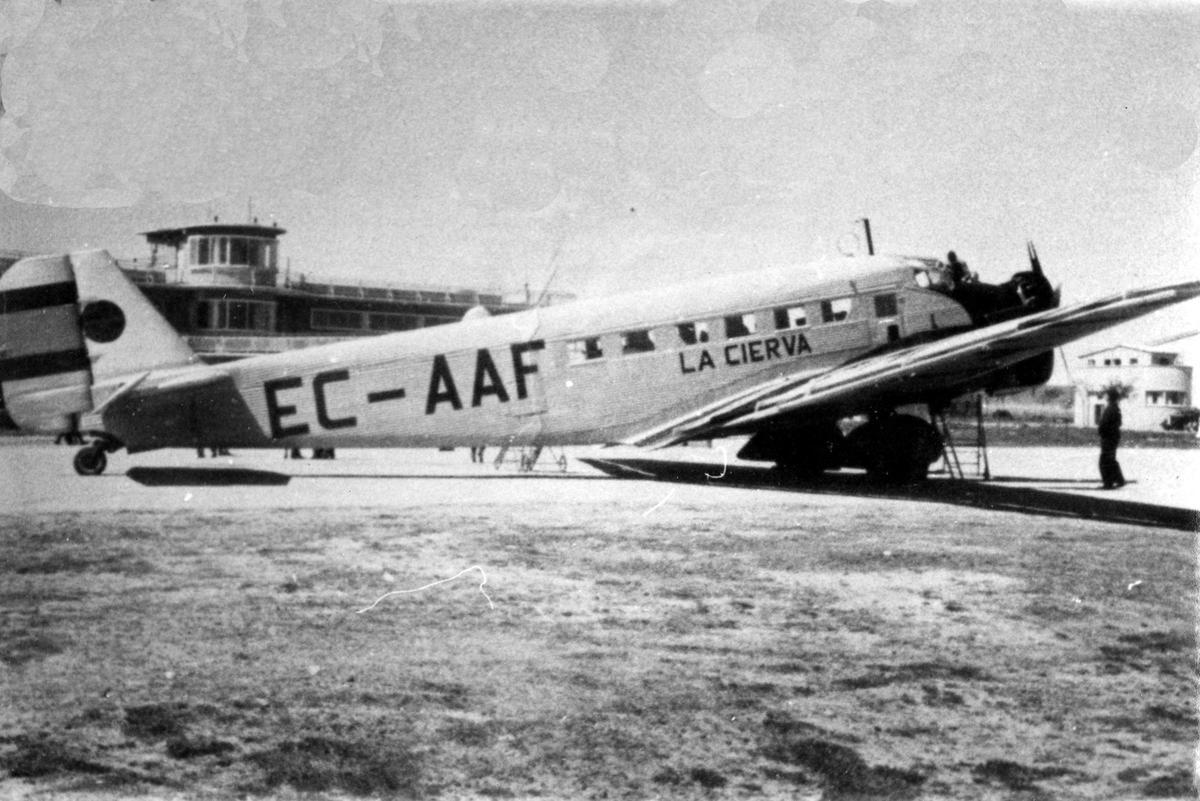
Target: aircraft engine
x=806, y=450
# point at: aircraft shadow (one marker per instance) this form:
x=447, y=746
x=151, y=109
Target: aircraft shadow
x=233, y=476
x=205, y=477
x=979, y=494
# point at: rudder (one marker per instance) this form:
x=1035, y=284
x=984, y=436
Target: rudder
x=71, y=329
x=45, y=373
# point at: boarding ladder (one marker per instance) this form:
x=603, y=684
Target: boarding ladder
x=526, y=458
x=971, y=459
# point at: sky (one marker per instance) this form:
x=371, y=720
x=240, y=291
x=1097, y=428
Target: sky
x=598, y=147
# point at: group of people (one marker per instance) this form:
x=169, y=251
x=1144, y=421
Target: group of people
x=318, y=453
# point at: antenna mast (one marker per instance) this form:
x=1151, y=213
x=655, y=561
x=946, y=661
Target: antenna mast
x=866, y=224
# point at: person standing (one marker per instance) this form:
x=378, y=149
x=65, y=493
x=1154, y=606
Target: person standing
x=1110, y=438
x=958, y=269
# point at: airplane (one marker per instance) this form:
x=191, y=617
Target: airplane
x=781, y=355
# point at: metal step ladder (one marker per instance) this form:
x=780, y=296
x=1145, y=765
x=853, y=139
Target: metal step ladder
x=527, y=457
x=971, y=460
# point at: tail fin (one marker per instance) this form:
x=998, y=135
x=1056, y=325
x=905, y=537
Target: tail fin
x=45, y=375
x=124, y=332
x=67, y=323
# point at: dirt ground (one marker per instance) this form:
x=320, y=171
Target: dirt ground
x=580, y=636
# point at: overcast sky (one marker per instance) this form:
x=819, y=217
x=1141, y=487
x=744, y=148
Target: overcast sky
x=618, y=143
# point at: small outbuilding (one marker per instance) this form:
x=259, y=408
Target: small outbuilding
x=1157, y=385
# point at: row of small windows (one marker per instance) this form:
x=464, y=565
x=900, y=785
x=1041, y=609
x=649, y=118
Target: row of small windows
x=735, y=325
x=341, y=320
x=235, y=315
x=1154, y=397
x=253, y=315
x=205, y=250
x=1157, y=360
x=1166, y=398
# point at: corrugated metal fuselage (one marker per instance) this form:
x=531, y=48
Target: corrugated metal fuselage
x=585, y=372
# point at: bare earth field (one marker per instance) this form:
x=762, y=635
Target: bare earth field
x=580, y=636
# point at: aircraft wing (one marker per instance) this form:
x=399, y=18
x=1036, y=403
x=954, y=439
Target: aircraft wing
x=950, y=366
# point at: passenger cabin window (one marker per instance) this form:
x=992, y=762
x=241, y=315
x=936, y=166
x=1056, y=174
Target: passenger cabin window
x=693, y=333
x=834, y=311
x=636, y=342
x=740, y=325
x=790, y=317
x=582, y=350
x=885, y=305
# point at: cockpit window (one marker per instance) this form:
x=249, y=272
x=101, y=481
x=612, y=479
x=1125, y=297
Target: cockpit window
x=932, y=277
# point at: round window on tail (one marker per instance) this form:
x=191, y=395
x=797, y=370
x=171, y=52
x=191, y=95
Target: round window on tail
x=102, y=321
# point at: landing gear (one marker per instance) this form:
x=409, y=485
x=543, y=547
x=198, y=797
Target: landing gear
x=895, y=448
x=91, y=459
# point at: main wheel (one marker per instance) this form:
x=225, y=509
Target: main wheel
x=897, y=449
x=90, y=461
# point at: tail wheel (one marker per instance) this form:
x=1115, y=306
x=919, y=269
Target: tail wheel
x=90, y=461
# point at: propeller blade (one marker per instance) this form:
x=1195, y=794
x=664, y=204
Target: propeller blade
x=1033, y=258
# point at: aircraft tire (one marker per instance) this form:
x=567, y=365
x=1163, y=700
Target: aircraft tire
x=899, y=449
x=90, y=461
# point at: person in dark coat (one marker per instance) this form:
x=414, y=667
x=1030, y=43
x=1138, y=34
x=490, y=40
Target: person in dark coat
x=958, y=269
x=1110, y=438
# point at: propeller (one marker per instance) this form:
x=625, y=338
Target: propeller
x=1043, y=292
x=1033, y=258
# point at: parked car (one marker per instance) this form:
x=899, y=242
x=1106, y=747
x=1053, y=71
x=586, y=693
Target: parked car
x=1182, y=420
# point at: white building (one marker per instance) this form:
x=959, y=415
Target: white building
x=1158, y=385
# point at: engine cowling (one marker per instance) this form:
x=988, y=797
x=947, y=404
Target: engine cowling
x=801, y=449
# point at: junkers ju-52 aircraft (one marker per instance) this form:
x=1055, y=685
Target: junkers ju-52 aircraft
x=779, y=354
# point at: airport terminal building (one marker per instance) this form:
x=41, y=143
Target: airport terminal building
x=221, y=287
x=1157, y=383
